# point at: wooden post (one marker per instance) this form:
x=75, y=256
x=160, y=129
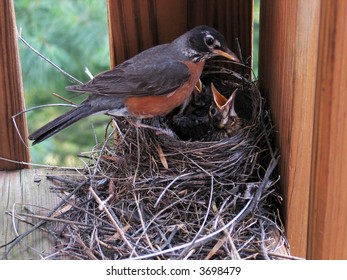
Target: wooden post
x=302, y=66
x=328, y=209
x=287, y=70
x=140, y=24
x=11, y=92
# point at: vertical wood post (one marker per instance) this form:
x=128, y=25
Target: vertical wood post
x=11, y=92
x=303, y=67
x=328, y=209
x=287, y=71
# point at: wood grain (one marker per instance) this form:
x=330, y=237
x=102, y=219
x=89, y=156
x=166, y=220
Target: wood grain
x=328, y=209
x=11, y=93
x=287, y=70
x=136, y=25
x=303, y=66
x=20, y=193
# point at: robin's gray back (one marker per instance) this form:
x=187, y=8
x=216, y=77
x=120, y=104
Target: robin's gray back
x=155, y=71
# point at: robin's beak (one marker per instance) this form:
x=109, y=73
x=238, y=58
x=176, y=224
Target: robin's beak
x=198, y=86
x=222, y=102
x=218, y=98
x=228, y=55
x=230, y=105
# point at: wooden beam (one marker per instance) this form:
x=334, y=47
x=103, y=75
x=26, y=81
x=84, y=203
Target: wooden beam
x=140, y=24
x=287, y=70
x=28, y=192
x=303, y=66
x=328, y=218
x=11, y=93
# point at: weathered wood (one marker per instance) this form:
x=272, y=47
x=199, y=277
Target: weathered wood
x=20, y=193
x=11, y=92
x=328, y=221
x=140, y=24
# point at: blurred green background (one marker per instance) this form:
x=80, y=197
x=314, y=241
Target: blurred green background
x=72, y=34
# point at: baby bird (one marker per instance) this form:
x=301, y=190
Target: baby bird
x=192, y=122
x=228, y=115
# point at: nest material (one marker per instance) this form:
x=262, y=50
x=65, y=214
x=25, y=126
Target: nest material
x=153, y=196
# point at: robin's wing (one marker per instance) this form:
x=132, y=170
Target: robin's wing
x=140, y=79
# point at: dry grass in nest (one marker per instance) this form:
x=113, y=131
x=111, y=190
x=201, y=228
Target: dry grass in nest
x=150, y=196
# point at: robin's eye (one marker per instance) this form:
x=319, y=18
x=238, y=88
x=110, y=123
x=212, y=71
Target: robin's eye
x=209, y=40
x=213, y=111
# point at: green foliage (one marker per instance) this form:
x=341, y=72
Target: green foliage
x=256, y=36
x=74, y=35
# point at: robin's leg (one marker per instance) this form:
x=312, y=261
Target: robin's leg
x=158, y=130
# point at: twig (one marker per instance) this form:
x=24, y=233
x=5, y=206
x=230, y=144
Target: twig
x=46, y=59
x=262, y=241
x=227, y=236
x=50, y=219
x=102, y=149
x=28, y=110
x=90, y=75
x=273, y=254
x=39, y=165
x=64, y=99
x=85, y=248
x=107, y=211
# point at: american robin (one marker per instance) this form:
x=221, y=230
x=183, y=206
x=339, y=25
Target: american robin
x=152, y=83
x=228, y=115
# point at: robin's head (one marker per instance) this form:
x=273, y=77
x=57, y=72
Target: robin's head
x=204, y=42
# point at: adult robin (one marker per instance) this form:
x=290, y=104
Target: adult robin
x=150, y=84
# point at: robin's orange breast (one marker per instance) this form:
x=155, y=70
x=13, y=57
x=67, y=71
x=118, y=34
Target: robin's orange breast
x=159, y=105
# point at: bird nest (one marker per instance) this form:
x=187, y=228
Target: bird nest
x=149, y=195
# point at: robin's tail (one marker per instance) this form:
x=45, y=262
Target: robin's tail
x=60, y=123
